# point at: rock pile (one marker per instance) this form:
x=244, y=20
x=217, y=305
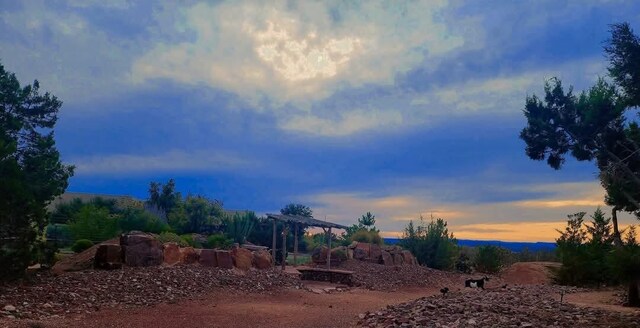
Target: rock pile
x=138, y=249
x=522, y=306
x=389, y=278
x=88, y=291
x=387, y=255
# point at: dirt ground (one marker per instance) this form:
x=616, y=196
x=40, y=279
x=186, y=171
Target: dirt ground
x=291, y=308
x=528, y=273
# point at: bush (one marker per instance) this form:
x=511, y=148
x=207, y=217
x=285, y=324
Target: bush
x=463, y=263
x=59, y=234
x=219, y=241
x=491, y=259
x=239, y=226
x=339, y=254
x=141, y=220
x=81, y=245
x=365, y=236
x=431, y=243
x=189, y=240
x=170, y=237
x=93, y=223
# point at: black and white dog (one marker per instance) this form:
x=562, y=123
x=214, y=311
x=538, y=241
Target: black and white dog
x=475, y=283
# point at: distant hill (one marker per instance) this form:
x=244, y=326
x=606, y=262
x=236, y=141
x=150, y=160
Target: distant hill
x=510, y=245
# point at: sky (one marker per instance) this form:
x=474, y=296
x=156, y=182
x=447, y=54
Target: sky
x=403, y=109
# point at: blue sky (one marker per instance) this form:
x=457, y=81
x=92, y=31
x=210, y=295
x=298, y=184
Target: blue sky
x=399, y=108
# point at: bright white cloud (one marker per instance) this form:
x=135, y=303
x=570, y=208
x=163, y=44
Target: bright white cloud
x=300, y=51
x=350, y=122
x=172, y=161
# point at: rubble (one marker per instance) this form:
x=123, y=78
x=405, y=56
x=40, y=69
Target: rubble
x=87, y=291
x=518, y=306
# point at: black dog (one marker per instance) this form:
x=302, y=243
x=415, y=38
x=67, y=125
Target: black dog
x=475, y=283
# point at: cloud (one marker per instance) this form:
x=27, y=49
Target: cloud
x=299, y=51
x=172, y=161
x=533, y=219
x=349, y=122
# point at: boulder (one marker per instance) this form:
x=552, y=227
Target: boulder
x=349, y=253
x=108, y=257
x=188, y=255
x=224, y=258
x=387, y=258
x=375, y=253
x=171, y=253
x=262, y=259
x=242, y=258
x=208, y=257
x=408, y=258
x=398, y=259
x=361, y=252
x=80, y=261
x=141, y=249
x=353, y=245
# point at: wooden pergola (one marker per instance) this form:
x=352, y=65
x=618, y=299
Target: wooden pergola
x=298, y=221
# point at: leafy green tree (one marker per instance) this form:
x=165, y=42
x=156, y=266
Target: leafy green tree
x=31, y=171
x=196, y=214
x=140, y=220
x=491, y=258
x=431, y=243
x=297, y=209
x=93, y=223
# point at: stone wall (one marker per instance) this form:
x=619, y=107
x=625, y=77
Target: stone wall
x=387, y=255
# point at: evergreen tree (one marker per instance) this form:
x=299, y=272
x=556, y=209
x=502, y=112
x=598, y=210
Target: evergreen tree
x=31, y=171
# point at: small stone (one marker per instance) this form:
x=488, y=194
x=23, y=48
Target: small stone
x=10, y=308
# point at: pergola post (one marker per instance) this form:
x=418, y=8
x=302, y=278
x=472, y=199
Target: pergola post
x=295, y=245
x=329, y=252
x=285, y=232
x=273, y=248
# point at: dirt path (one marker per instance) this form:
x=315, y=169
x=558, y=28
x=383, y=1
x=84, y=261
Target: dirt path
x=605, y=299
x=291, y=308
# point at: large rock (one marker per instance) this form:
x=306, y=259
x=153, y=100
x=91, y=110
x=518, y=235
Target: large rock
x=171, y=253
x=387, y=258
x=80, y=261
x=141, y=249
x=188, y=255
x=208, y=257
x=224, y=258
x=108, y=257
x=398, y=259
x=242, y=258
x=408, y=258
x=361, y=252
x=262, y=259
x=375, y=253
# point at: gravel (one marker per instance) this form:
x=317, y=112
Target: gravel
x=520, y=306
x=87, y=291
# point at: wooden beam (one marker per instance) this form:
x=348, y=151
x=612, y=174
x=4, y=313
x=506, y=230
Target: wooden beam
x=329, y=252
x=285, y=232
x=295, y=245
x=273, y=248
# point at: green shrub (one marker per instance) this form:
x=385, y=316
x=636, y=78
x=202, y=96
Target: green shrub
x=60, y=234
x=93, y=223
x=141, y=220
x=219, y=241
x=463, y=263
x=339, y=254
x=431, y=243
x=81, y=245
x=239, y=226
x=170, y=237
x=491, y=259
x=189, y=240
x=367, y=236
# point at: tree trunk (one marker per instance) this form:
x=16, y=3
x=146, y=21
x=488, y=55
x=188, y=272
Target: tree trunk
x=617, y=239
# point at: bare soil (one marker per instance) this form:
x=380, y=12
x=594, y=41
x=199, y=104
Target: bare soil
x=290, y=308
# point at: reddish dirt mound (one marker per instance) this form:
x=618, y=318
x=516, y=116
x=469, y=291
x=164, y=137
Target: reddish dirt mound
x=529, y=273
